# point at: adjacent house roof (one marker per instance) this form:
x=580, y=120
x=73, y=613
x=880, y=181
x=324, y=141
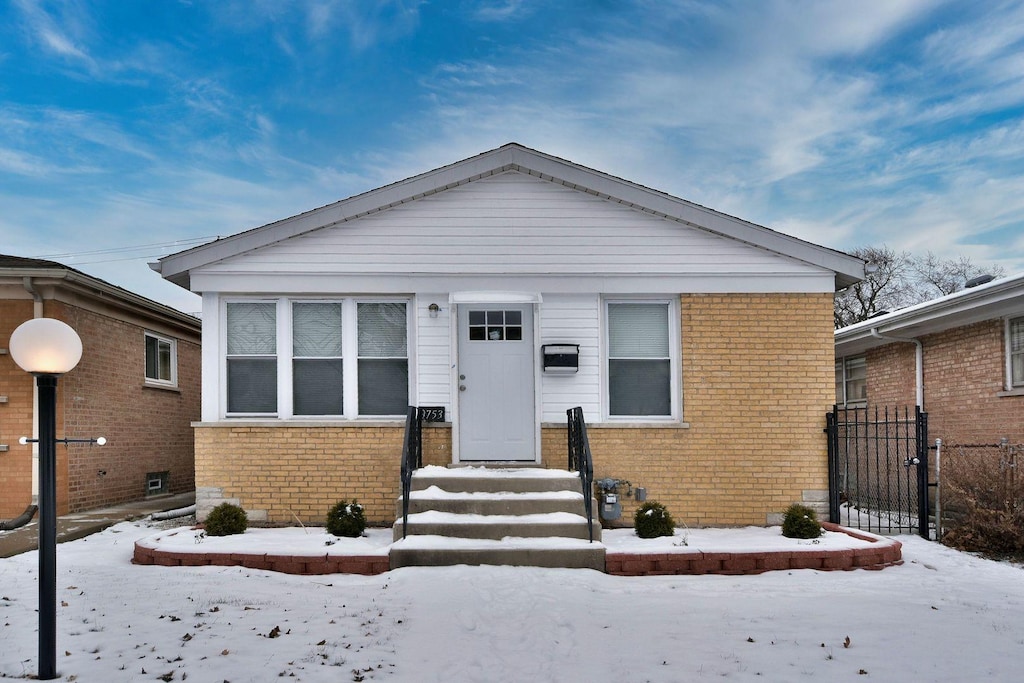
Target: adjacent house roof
x=40, y=269
x=996, y=299
x=514, y=157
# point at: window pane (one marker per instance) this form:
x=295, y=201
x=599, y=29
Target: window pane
x=1018, y=369
x=638, y=331
x=856, y=379
x=252, y=328
x=151, y=358
x=639, y=387
x=317, y=387
x=252, y=385
x=382, y=331
x=383, y=386
x=840, y=377
x=164, y=353
x=316, y=330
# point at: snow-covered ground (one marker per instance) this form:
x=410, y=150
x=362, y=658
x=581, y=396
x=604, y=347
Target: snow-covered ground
x=942, y=616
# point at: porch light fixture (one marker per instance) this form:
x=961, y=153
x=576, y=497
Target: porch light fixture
x=46, y=348
x=433, y=309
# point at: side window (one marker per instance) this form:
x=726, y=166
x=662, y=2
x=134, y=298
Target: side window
x=1015, y=343
x=161, y=360
x=851, y=380
x=383, y=383
x=317, y=372
x=639, y=367
x=252, y=357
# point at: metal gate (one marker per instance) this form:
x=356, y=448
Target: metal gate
x=878, y=469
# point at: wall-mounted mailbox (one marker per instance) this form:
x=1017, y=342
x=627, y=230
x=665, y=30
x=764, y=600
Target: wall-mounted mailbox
x=561, y=359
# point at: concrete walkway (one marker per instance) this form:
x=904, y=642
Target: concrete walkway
x=80, y=524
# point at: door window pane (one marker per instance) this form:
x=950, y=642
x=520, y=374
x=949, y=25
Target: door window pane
x=639, y=362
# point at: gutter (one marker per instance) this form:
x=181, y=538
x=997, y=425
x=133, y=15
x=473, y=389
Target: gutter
x=37, y=298
x=918, y=357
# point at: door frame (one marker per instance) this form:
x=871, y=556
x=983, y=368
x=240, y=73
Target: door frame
x=457, y=302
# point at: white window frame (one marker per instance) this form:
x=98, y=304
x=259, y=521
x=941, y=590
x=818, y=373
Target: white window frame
x=350, y=356
x=1008, y=346
x=842, y=365
x=173, y=347
x=675, y=362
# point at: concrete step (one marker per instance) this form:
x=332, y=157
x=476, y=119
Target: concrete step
x=437, y=551
x=497, y=527
x=495, y=480
x=487, y=503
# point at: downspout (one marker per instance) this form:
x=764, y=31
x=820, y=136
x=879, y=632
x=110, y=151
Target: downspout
x=918, y=357
x=37, y=298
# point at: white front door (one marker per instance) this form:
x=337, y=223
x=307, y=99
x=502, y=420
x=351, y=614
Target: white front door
x=497, y=419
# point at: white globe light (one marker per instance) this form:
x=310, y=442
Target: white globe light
x=45, y=346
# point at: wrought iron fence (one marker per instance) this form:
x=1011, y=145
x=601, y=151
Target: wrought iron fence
x=878, y=469
x=412, y=458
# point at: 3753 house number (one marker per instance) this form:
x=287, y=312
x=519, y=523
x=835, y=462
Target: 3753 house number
x=432, y=414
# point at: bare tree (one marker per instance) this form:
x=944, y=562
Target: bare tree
x=900, y=280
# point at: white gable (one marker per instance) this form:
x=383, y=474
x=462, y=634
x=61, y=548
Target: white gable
x=500, y=229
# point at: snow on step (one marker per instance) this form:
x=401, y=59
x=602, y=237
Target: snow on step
x=437, y=493
x=438, y=517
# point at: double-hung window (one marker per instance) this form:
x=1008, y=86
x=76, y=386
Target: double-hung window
x=851, y=380
x=302, y=358
x=1015, y=352
x=640, y=353
x=161, y=360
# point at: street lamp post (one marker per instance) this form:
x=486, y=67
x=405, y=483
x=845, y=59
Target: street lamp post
x=47, y=348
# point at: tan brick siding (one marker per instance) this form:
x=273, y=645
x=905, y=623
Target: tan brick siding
x=757, y=380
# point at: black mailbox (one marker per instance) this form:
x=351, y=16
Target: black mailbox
x=561, y=359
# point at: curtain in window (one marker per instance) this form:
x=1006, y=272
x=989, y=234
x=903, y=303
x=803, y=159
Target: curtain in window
x=252, y=362
x=317, y=387
x=639, y=363
x=383, y=359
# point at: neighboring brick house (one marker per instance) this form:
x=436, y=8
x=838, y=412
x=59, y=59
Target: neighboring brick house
x=704, y=343
x=138, y=385
x=960, y=357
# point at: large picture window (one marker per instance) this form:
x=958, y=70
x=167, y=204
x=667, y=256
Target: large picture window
x=640, y=352
x=321, y=358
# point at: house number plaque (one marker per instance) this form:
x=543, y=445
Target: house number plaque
x=433, y=414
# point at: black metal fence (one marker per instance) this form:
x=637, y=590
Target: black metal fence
x=580, y=460
x=412, y=458
x=878, y=469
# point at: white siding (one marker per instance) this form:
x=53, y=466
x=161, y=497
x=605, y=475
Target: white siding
x=572, y=320
x=433, y=357
x=511, y=224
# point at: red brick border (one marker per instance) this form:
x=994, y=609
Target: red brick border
x=286, y=564
x=886, y=553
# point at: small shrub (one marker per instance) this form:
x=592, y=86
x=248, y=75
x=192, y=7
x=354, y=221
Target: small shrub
x=346, y=519
x=800, y=521
x=652, y=520
x=225, y=520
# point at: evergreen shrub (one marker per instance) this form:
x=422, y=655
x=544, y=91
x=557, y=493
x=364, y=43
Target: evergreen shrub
x=652, y=520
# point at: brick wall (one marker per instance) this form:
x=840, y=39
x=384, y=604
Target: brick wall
x=147, y=430
x=283, y=474
x=15, y=416
x=757, y=382
x=964, y=375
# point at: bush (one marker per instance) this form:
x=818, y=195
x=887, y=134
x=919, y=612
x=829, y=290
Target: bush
x=652, y=520
x=346, y=519
x=225, y=520
x=800, y=521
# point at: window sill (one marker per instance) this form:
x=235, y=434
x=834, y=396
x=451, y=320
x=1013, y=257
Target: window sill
x=296, y=422
x=162, y=387
x=1019, y=391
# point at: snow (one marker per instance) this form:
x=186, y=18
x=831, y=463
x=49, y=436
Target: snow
x=436, y=471
x=941, y=616
x=436, y=493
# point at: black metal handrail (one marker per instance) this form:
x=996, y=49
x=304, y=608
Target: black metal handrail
x=581, y=461
x=412, y=458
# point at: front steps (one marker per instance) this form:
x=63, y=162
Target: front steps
x=474, y=515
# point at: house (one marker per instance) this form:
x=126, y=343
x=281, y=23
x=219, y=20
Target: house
x=960, y=357
x=137, y=385
x=501, y=291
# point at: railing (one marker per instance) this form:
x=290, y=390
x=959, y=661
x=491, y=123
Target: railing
x=412, y=458
x=581, y=461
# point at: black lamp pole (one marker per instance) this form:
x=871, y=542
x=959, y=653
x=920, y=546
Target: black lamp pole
x=47, y=401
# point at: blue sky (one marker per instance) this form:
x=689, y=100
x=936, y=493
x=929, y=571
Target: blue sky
x=130, y=129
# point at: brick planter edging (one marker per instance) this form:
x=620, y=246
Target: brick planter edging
x=287, y=564
x=886, y=553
